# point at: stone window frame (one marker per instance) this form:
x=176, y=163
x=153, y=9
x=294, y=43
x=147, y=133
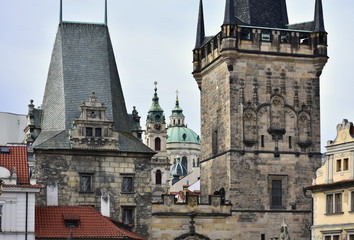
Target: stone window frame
x=157, y=146
x=158, y=177
x=351, y=191
x=86, y=174
x=334, y=208
x=131, y=210
x=126, y=176
x=284, y=193
x=330, y=234
x=342, y=164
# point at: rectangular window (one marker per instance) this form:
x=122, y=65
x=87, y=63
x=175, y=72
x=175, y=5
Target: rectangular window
x=215, y=142
x=345, y=164
x=89, y=132
x=127, y=215
x=331, y=237
x=262, y=140
x=352, y=201
x=334, y=203
x=98, y=132
x=338, y=202
x=290, y=142
x=266, y=36
x=329, y=204
x=351, y=237
x=276, y=193
x=128, y=185
x=85, y=182
x=339, y=165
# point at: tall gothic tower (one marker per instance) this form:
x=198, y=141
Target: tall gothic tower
x=260, y=113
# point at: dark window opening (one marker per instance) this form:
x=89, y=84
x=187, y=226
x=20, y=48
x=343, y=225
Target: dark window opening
x=262, y=236
x=262, y=140
x=338, y=202
x=86, y=183
x=276, y=193
x=329, y=204
x=157, y=144
x=285, y=37
x=184, y=136
x=352, y=200
x=98, y=132
x=290, y=142
x=127, y=215
x=158, y=177
x=71, y=223
x=304, y=38
x=128, y=184
x=246, y=34
x=185, y=162
x=215, y=142
x=89, y=132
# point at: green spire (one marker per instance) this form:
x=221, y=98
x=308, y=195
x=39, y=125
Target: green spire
x=177, y=111
x=155, y=113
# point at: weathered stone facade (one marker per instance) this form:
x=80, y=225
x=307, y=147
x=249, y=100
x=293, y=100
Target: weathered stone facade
x=63, y=168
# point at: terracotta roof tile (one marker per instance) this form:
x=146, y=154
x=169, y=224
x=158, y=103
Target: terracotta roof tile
x=16, y=158
x=50, y=223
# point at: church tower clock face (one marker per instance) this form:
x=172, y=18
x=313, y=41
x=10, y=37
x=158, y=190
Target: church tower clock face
x=157, y=126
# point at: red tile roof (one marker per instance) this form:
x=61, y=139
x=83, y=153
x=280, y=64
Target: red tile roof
x=50, y=223
x=17, y=157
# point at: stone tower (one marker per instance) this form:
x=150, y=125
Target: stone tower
x=88, y=151
x=155, y=138
x=260, y=113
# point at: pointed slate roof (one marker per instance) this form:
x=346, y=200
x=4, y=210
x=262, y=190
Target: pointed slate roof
x=265, y=13
x=230, y=15
x=82, y=62
x=200, y=27
x=319, y=21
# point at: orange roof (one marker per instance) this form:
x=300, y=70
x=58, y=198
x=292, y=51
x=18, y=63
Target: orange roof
x=50, y=223
x=16, y=158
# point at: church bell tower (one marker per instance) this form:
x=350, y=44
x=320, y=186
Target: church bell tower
x=259, y=79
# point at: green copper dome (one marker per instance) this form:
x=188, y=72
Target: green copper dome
x=182, y=135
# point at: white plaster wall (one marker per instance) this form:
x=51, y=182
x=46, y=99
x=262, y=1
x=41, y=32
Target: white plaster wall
x=14, y=215
x=11, y=128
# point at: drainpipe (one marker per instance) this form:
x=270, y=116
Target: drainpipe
x=305, y=190
x=26, y=224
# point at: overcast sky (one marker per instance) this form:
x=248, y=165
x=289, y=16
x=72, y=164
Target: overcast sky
x=153, y=41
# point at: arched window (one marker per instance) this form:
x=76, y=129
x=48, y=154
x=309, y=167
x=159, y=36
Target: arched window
x=193, y=162
x=157, y=144
x=184, y=162
x=158, y=177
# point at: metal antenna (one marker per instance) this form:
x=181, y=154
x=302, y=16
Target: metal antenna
x=105, y=12
x=61, y=12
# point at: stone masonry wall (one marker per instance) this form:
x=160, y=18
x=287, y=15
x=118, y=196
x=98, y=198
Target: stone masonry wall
x=107, y=168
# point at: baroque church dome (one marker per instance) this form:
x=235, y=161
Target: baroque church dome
x=179, y=134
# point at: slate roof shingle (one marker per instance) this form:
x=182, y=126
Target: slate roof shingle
x=50, y=223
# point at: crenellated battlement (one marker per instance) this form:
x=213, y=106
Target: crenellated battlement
x=260, y=40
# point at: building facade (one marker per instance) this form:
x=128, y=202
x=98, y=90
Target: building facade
x=87, y=147
x=17, y=195
x=333, y=188
x=259, y=80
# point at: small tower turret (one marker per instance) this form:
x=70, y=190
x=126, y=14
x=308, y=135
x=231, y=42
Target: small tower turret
x=177, y=117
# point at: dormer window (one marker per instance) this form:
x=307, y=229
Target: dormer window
x=71, y=220
x=72, y=223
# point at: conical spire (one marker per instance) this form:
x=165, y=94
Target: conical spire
x=105, y=12
x=200, y=27
x=319, y=22
x=61, y=12
x=177, y=117
x=230, y=16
